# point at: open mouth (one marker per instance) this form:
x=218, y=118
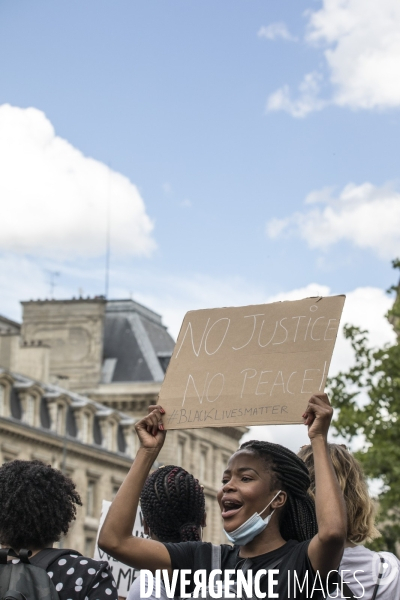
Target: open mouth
x=230, y=508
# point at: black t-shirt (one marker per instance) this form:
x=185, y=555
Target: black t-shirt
x=291, y=558
x=81, y=578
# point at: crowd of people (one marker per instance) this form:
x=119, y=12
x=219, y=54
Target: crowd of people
x=297, y=523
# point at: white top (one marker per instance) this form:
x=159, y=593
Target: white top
x=367, y=565
x=362, y=567
x=134, y=592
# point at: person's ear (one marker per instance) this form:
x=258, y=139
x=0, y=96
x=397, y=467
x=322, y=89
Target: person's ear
x=280, y=500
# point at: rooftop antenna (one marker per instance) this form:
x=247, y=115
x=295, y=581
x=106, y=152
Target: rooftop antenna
x=108, y=231
x=53, y=275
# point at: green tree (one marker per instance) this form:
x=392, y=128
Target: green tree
x=368, y=399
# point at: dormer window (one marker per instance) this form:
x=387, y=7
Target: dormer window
x=85, y=428
x=60, y=419
x=29, y=412
x=109, y=438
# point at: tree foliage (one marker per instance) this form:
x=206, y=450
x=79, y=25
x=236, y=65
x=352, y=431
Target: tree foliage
x=368, y=399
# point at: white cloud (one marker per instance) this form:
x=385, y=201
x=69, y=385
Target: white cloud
x=361, y=41
x=365, y=307
x=364, y=215
x=55, y=198
x=307, y=101
x=364, y=50
x=276, y=30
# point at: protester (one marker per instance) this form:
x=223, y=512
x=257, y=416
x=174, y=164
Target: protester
x=259, y=477
x=173, y=508
x=360, y=528
x=37, y=505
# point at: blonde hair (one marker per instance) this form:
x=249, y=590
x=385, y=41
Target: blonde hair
x=361, y=510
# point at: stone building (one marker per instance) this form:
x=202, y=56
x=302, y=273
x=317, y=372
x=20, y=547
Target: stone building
x=93, y=444
x=102, y=362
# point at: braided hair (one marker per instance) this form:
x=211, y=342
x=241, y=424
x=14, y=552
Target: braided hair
x=289, y=473
x=173, y=504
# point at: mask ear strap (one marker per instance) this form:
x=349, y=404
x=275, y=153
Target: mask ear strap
x=269, y=503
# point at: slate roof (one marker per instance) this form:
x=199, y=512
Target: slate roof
x=137, y=346
x=48, y=391
x=9, y=326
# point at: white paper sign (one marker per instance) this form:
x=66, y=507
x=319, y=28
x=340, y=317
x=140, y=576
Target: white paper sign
x=123, y=575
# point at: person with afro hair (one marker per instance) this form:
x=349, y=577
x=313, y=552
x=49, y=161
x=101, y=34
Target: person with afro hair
x=37, y=506
x=267, y=513
x=173, y=509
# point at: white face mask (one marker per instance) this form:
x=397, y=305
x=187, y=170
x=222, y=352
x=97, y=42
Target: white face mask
x=248, y=530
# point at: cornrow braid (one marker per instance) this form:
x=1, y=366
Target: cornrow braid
x=173, y=504
x=298, y=521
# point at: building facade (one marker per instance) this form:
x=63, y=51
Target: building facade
x=76, y=375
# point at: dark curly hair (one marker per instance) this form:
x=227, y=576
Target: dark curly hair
x=289, y=473
x=173, y=504
x=37, y=504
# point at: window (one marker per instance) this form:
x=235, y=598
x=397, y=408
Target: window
x=85, y=428
x=90, y=498
x=29, y=415
x=2, y=400
x=203, y=464
x=180, y=452
x=89, y=547
x=60, y=426
x=114, y=491
x=132, y=443
x=109, y=438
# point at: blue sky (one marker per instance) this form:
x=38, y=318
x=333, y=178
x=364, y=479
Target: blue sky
x=248, y=152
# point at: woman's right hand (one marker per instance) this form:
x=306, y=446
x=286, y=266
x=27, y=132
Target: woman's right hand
x=150, y=429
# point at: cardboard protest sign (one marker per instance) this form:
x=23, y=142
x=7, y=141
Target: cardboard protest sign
x=123, y=575
x=251, y=365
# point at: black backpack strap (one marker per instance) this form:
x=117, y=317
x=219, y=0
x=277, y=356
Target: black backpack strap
x=24, y=555
x=6, y=552
x=380, y=575
x=347, y=591
x=44, y=558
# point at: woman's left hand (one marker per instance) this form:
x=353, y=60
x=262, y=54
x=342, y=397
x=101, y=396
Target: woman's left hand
x=318, y=416
x=151, y=430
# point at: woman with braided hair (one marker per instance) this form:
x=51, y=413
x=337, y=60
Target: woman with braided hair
x=266, y=512
x=298, y=518
x=173, y=508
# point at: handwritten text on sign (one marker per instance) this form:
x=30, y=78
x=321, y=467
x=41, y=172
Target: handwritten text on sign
x=250, y=365
x=124, y=576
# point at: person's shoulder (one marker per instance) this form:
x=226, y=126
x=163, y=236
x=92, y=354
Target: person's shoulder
x=357, y=552
x=293, y=547
x=294, y=554
x=77, y=561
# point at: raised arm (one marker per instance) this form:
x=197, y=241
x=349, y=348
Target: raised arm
x=116, y=534
x=326, y=548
